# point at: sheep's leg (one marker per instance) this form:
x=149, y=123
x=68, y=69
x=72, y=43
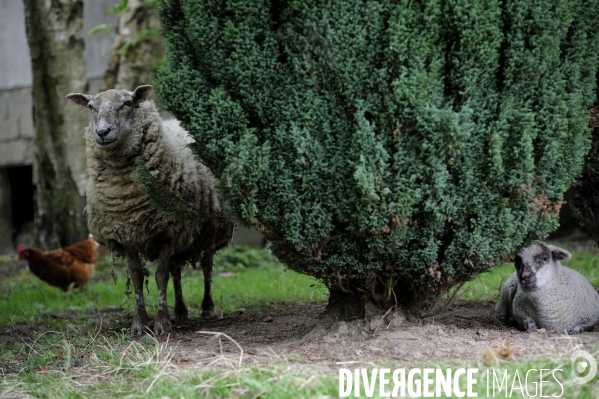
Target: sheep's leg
x=162, y=324
x=527, y=324
x=524, y=321
x=575, y=330
x=503, y=308
x=180, y=308
x=140, y=319
x=588, y=326
x=207, y=302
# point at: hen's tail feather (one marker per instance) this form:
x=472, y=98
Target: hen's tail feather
x=85, y=251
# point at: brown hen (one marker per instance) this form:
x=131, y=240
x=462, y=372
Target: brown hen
x=65, y=268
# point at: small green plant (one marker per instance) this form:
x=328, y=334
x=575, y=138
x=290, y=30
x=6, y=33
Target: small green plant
x=117, y=9
x=130, y=44
x=98, y=29
x=240, y=257
x=122, y=6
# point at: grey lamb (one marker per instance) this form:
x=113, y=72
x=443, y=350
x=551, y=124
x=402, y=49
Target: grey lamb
x=544, y=294
x=125, y=126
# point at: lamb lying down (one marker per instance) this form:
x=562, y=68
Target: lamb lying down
x=544, y=294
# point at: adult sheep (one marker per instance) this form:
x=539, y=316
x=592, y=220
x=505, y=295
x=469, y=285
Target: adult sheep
x=124, y=127
x=544, y=294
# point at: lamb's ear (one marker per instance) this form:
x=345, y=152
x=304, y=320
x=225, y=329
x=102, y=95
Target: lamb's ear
x=559, y=253
x=141, y=94
x=79, y=99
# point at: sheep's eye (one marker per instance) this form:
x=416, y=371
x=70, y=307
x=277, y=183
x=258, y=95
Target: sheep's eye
x=90, y=107
x=542, y=258
x=128, y=103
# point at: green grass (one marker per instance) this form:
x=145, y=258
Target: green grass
x=69, y=364
x=486, y=286
x=78, y=361
x=243, y=278
x=72, y=364
x=75, y=361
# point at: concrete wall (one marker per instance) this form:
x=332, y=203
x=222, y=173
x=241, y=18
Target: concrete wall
x=15, y=68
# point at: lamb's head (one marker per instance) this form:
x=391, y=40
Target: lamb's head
x=112, y=114
x=537, y=264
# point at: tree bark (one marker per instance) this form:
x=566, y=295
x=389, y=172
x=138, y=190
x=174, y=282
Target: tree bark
x=345, y=306
x=130, y=67
x=54, y=32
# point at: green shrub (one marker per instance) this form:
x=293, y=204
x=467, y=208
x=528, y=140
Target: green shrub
x=584, y=198
x=392, y=149
x=242, y=256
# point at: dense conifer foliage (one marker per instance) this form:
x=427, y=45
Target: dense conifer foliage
x=393, y=149
x=584, y=197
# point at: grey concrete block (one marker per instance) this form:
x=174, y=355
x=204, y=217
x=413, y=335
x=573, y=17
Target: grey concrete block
x=16, y=152
x=15, y=65
x=15, y=115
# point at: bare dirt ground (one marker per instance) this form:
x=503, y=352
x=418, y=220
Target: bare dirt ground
x=290, y=333
x=463, y=333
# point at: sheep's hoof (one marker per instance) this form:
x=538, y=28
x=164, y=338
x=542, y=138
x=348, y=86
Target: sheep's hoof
x=180, y=317
x=162, y=327
x=140, y=322
x=207, y=313
x=575, y=330
x=529, y=325
x=180, y=313
x=138, y=327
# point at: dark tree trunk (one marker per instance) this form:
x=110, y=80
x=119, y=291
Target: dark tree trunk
x=344, y=306
x=362, y=298
x=54, y=32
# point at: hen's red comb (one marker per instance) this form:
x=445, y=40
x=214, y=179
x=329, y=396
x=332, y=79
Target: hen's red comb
x=21, y=249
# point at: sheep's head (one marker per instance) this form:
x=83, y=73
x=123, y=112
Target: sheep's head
x=537, y=264
x=112, y=113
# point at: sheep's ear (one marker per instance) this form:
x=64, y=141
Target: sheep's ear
x=559, y=253
x=141, y=94
x=79, y=99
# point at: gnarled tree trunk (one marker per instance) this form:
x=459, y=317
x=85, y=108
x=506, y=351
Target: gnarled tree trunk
x=137, y=48
x=54, y=32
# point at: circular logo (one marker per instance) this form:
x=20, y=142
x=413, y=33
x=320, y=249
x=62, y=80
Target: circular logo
x=584, y=367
